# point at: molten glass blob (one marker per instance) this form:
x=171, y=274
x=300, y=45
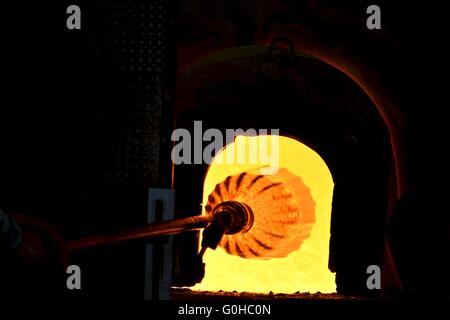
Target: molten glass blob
x=286, y=249
x=283, y=211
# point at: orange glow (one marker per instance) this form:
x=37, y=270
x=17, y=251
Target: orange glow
x=305, y=269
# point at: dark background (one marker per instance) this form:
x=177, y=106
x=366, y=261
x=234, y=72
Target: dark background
x=86, y=115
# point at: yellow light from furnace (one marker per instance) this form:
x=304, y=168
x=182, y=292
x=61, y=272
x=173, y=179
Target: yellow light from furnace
x=304, y=270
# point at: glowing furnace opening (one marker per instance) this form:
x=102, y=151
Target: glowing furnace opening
x=288, y=247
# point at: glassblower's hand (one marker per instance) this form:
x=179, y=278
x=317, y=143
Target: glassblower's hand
x=41, y=242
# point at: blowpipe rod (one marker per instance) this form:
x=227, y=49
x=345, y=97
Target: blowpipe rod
x=148, y=231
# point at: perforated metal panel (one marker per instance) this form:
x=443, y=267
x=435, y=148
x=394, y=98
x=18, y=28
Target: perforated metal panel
x=126, y=43
x=124, y=56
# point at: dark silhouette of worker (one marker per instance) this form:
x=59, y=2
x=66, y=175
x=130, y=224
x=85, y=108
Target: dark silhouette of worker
x=419, y=237
x=32, y=258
